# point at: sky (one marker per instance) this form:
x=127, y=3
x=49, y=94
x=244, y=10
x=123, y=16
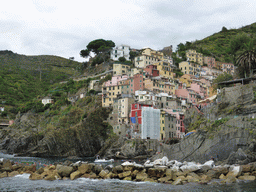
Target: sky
x=63, y=28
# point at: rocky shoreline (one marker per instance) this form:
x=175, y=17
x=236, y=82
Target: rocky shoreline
x=161, y=171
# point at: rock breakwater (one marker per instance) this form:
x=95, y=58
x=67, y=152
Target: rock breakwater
x=161, y=171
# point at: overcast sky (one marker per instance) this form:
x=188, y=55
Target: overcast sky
x=63, y=28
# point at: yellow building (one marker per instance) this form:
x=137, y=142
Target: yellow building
x=135, y=71
x=159, y=86
x=150, y=52
x=186, y=79
x=193, y=56
x=187, y=67
x=109, y=93
x=164, y=69
x=144, y=60
x=162, y=125
x=121, y=69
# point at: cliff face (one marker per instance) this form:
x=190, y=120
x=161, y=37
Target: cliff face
x=72, y=134
x=226, y=130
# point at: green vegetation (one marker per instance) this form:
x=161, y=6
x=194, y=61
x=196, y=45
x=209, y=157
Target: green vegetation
x=24, y=79
x=222, y=77
x=224, y=45
x=101, y=48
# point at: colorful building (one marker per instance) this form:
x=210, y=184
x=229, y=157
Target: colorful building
x=195, y=57
x=136, y=83
x=121, y=69
x=144, y=60
x=120, y=51
x=210, y=62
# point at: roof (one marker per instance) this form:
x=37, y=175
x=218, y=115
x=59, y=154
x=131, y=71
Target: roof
x=243, y=81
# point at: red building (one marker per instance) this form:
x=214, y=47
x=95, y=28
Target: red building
x=136, y=83
x=151, y=70
x=135, y=115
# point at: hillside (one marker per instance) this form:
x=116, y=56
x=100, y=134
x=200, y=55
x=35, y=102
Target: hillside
x=23, y=78
x=217, y=44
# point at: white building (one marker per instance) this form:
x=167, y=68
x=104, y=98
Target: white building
x=150, y=125
x=2, y=109
x=120, y=51
x=47, y=100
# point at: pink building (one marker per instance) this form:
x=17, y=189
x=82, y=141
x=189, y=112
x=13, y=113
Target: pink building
x=136, y=83
x=198, y=89
x=186, y=94
x=210, y=61
x=115, y=80
x=151, y=70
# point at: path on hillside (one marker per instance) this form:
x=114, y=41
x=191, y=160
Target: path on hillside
x=84, y=78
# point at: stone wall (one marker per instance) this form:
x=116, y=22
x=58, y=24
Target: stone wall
x=239, y=95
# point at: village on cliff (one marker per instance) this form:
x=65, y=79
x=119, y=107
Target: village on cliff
x=149, y=100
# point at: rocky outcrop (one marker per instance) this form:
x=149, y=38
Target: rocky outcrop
x=33, y=134
x=226, y=130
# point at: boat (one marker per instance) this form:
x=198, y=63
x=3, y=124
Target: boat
x=104, y=161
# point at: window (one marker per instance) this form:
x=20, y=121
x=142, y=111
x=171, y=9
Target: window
x=109, y=99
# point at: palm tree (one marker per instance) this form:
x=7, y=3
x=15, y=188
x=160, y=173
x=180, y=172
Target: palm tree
x=247, y=59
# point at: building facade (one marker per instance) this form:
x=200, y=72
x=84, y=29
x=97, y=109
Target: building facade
x=120, y=51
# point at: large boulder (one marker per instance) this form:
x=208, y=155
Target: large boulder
x=141, y=176
x=192, y=179
x=98, y=168
x=124, y=174
x=247, y=168
x=221, y=169
x=35, y=176
x=164, y=179
x=4, y=174
x=86, y=168
x=118, y=169
x=178, y=181
x=190, y=167
x=156, y=172
x=234, y=171
x=64, y=171
x=103, y=173
x=12, y=174
x=75, y=175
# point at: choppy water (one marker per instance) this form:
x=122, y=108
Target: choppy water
x=22, y=183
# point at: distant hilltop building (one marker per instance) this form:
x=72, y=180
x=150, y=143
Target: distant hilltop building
x=120, y=51
x=167, y=51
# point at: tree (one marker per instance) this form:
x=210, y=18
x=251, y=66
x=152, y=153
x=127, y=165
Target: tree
x=222, y=77
x=121, y=59
x=100, y=47
x=97, y=46
x=236, y=45
x=247, y=59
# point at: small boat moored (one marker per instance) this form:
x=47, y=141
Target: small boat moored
x=97, y=160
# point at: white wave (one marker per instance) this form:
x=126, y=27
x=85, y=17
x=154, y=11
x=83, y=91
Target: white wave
x=23, y=176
